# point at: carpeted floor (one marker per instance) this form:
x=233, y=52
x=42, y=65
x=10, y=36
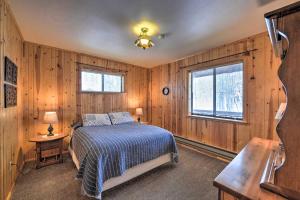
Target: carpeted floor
x=191, y=178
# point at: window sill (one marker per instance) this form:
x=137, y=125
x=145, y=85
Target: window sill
x=218, y=119
x=94, y=92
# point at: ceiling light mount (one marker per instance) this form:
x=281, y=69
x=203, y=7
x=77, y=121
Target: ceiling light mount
x=144, y=40
x=144, y=29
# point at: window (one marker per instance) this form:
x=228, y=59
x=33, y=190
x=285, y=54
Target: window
x=92, y=81
x=217, y=92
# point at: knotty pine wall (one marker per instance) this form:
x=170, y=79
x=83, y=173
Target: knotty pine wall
x=51, y=83
x=263, y=95
x=11, y=130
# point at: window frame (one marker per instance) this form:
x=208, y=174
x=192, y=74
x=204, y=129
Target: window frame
x=103, y=72
x=214, y=116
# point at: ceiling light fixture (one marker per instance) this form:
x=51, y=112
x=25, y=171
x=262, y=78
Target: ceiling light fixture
x=144, y=41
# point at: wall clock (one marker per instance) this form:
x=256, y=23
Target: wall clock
x=165, y=91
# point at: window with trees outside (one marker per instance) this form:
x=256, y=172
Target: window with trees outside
x=93, y=81
x=217, y=92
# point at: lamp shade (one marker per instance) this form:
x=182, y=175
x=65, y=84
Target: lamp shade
x=139, y=111
x=50, y=118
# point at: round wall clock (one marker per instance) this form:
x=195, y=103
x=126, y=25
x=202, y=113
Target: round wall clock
x=165, y=91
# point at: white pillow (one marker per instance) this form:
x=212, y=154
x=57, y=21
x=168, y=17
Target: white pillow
x=95, y=120
x=120, y=117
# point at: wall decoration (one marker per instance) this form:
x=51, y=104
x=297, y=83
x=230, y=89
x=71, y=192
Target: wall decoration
x=10, y=95
x=10, y=72
x=165, y=91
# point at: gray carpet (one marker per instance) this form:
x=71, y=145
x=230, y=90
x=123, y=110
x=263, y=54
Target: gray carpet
x=189, y=179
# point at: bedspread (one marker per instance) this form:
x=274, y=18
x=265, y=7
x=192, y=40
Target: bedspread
x=108, y=151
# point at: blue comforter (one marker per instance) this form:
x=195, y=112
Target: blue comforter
x=108, y=151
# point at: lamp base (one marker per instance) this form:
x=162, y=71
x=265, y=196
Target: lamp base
x=50, y=134
x=50, y=130
x=139, y=120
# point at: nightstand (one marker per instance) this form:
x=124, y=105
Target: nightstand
x=146, y=123
x=52, y=144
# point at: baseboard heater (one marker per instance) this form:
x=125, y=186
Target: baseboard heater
x=206, y=148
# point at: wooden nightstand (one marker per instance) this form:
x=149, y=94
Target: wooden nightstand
x=146, y=123
x=46, y=143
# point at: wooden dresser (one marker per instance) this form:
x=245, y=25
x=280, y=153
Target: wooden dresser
x=263, y=170
x=241, y=178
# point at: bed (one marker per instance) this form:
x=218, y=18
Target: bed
x=109, y=155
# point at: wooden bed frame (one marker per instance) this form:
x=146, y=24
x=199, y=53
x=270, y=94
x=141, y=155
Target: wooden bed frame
x=130, y=173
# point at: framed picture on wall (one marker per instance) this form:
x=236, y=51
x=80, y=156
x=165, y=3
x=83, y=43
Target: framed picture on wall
x=10, y=95
x=10, y=72
x=10, y=83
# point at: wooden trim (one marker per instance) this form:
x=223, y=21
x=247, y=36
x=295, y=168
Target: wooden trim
x=212, y=66
x=78, y=88
x=100, y=68
x=284, y=192
x=244, y=53
x=219, y=194
x=92, y=92
x=281, y=12
x=218, y=119
x=198, y=67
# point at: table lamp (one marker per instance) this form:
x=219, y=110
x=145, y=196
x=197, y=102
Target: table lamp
x=139, y=113
x=50, y=118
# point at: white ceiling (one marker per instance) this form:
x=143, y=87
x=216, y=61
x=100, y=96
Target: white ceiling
x=104, y=27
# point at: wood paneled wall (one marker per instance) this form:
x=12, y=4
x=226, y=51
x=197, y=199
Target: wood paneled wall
x=11, y=135
x=263, y=94
x=50, y=83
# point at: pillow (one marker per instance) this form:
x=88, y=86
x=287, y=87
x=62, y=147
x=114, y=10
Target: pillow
x=95, y=120
x=120, y=117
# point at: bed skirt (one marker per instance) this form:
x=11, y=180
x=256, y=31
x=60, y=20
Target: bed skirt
x=130, y=173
